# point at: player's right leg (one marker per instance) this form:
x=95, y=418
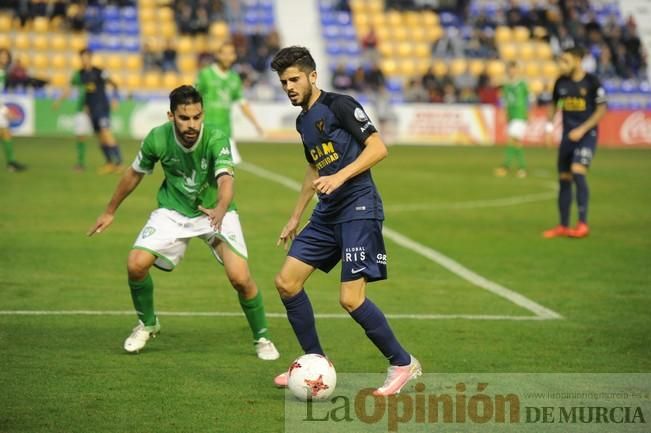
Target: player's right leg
x=83, y=128
x=142, y=295
x=565, y=154
x=8, y=146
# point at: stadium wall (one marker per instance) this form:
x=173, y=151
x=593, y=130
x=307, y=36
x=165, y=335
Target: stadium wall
x=420, y=124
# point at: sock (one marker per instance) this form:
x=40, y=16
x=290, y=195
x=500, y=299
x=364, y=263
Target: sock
x=254, y=312
x=582, y=196
x=301, y=317
x=369, y=316
x=142, y=294
x=519, y=156
x=114, y=154
x=508, y=155
x=565, y=201
x=106, y=150
x=8, y=148
x=81, y=153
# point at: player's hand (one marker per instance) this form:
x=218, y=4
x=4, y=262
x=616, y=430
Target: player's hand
x=288, y=233
x=216, y=215
x=327, y=184
x=102, y=223
x=259, y=130
x=576, y=134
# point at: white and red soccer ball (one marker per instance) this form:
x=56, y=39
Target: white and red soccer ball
x=312, y=377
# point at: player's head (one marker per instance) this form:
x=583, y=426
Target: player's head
x=86, y=57
x=186, y=112
x=297, y=72
x=571, y=60
x=226, y=55
x=5, y=57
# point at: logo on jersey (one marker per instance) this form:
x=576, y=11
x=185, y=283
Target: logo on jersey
x=360, y=115
x=190, y=183
x=225, y=151
x=583, y=91
x=147, y=231
x=204, y=163
x=320, y=125
x=381, y=259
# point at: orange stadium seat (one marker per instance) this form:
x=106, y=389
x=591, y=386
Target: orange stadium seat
x=399, y=33
x=132, y=81
x=394, y=18
x=133, y=62
x=40, y=42
x=536, y=86
x=526, y=51
x=542, y=51
x=377, y=19
x=532, y=69
x=476, y=66
x=21, y=41
x=219, y=29
x=114, y=62
x=373, y=6
x=167, y=29
x=170, y=80
x=389, y=67
x=40, y=61
x=185, y=44
x=430, y=19
x=147, y=14
x=508, y=51
x=200, y=43
x=405, y=49
x=5, y=23
x=496, y=69
x=59, y=79
x=407, y=68
x=458, y=66
x=58, y=42
x=361, y=20
x=440, y=68
x=165, y=15
x=187, y=63
x=78, y=42
x=59, y=61
x=503, y=35
x=386, y=49
x=40, y=25
x=151, y=81
x=417, y=33
x=149, y=28
x=413, y=19
x=422, y=50
x=521, y=34
x=550, y=70
x=434, y=33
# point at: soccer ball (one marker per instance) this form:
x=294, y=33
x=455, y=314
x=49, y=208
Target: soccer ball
x=312, y=377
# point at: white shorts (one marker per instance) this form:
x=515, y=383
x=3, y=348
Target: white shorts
x=517, y=128
x=167, y=234
x=4, y=116
x=82, y=124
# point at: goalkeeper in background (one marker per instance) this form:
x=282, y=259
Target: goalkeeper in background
x=221, y=88
x=516, y=99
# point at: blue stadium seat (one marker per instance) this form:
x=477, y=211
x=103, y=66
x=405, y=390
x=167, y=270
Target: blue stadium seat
x=111, y=13
x=328, y=19
x=131, y=44
x=129, y=13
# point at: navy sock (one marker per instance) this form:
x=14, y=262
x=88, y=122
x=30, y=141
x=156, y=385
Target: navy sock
x=582, y=196
x=107, y=153
x=301, y=317
x=369, y=316
x=115, y=155
x=565, y=201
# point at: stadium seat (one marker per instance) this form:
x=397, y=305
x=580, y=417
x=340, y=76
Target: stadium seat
x=434, y=33
x=5, y=41
x=430, y=19
x=59, y=79
x=377, y=20
x=59, y=61
x=21, y=41
x=543, y=51
x=40, y=61
x=151, y=81
x=407, y=68
x=405, y=49
x=386, y=49
x=146, y=14
x=132, y=81
x=167, y=29
x=187, y=63
x=476, y=66
x=440, y=68
x=361, y=21
x=99, y=61
x=496, y=69
x=413, y=19
x=219, y=29
x=382, y=34
x=526, y=51
x=165, y=15
x=399, y=33
x=78, y=42
x=458, y=67
x=550, y=70
x=59, y=43
x=40, y=25
x=536, y=86
x=5, y=23
x=373, y=6
x=185, y=44
x=149, y=28
x=170, y=80
x=40, y=42
x=422, y=50
x=115, y=62
x=389, y=67
x=508, y=51
x=189, y=79
x=133, y=62
x=417, y=33
x=75, y=62
x=394, y=19
x=503, y=35
x=532, y=69
x=521, y=34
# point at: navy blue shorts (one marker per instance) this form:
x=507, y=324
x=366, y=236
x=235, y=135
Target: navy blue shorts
x=576, y=152
x=358, y=244
x=100, y=120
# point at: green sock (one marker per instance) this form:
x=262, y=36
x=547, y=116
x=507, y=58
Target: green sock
x=254, y=312
x=9, y=150
x=142, y=294
x=81, y=153
x=508, y=155
x=519, y=156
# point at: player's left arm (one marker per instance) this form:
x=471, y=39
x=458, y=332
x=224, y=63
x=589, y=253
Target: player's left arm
x=374, y=151
x=248, y=113
x=600, y=99
x=225, y=193
x=114, y=86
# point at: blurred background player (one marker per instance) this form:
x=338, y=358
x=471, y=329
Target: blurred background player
x=82, y=125
x=195, y=201
x=5, y=132
x=221, y=88
x=98, y=107
x=582, y=101
x=515, y=95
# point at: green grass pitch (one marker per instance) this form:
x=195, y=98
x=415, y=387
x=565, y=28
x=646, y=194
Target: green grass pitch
x=68, y=373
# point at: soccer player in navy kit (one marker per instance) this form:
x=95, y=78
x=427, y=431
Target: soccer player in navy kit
x=582, y=101
x=94, y=81
x=341, y=145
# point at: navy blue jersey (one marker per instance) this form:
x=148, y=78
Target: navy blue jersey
x=578, y=99
x=94, y=83
x=333, y=131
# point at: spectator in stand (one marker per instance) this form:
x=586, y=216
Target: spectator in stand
x=369, y=46
x=168, y=58
x=75, y=17
x=341, y=79
x=449, y=93
x=605, y=66
x=467, y=95
x=561, y=41
x=486, y=92
x=449, y=45
x=359, y=80
x=415, y=92
x=150, y=58
x=374, y=78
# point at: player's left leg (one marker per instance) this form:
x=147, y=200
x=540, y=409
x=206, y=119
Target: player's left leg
x=8, y=147
x=583, y=155
x=110, y=145
x=237, y=271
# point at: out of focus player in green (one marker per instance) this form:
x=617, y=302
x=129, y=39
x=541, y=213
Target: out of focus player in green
x=5, y=133
x=221, y=88
x=194, y=201
x=516, y=100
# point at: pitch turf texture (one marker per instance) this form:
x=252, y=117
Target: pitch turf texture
x=68, y=373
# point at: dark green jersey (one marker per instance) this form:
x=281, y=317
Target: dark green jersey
x=220, y=90
x=189, y=173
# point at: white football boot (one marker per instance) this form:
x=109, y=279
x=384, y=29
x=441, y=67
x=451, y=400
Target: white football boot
x=140, y=335
x=266, y=349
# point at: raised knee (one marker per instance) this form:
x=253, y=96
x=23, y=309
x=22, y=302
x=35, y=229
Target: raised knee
x=240, y=282
x=350, y=304
x=137, y=269
x=285, y=288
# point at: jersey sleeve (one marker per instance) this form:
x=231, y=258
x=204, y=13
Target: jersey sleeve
x=555, y=94
x=238, y=89
x=353, y=118
x=147, y=157
x=199, y=82
x=75, y=80
x=221, y=148
x=599, y=92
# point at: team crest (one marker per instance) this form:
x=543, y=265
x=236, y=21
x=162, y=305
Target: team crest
x=147, y=231
x=583, y=91
x=204, y=163
x=360, y=115
x=320, y=125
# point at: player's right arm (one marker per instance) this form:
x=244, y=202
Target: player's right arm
x=553, y=108
x=129, y=181
x=74, y=81
x=307, y=192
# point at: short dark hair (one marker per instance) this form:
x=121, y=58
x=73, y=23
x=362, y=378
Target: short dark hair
x=578, y=52
x=184, y=95
x=85, y=51
x=293, y=56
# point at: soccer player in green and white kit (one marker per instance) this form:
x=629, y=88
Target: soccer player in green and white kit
x=516, y=99
x=194, y=201
x=221, y=88
x=5, y=133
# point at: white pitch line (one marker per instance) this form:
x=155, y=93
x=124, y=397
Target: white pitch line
x=269, y=315
x=475, y=204
x=453, y=266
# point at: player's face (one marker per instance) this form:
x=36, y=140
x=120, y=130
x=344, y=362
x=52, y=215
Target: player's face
x=298, y=85
x=226, y=56
x=568, y=63
x=86, y=60
x=187, y=120
x=4, y=58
